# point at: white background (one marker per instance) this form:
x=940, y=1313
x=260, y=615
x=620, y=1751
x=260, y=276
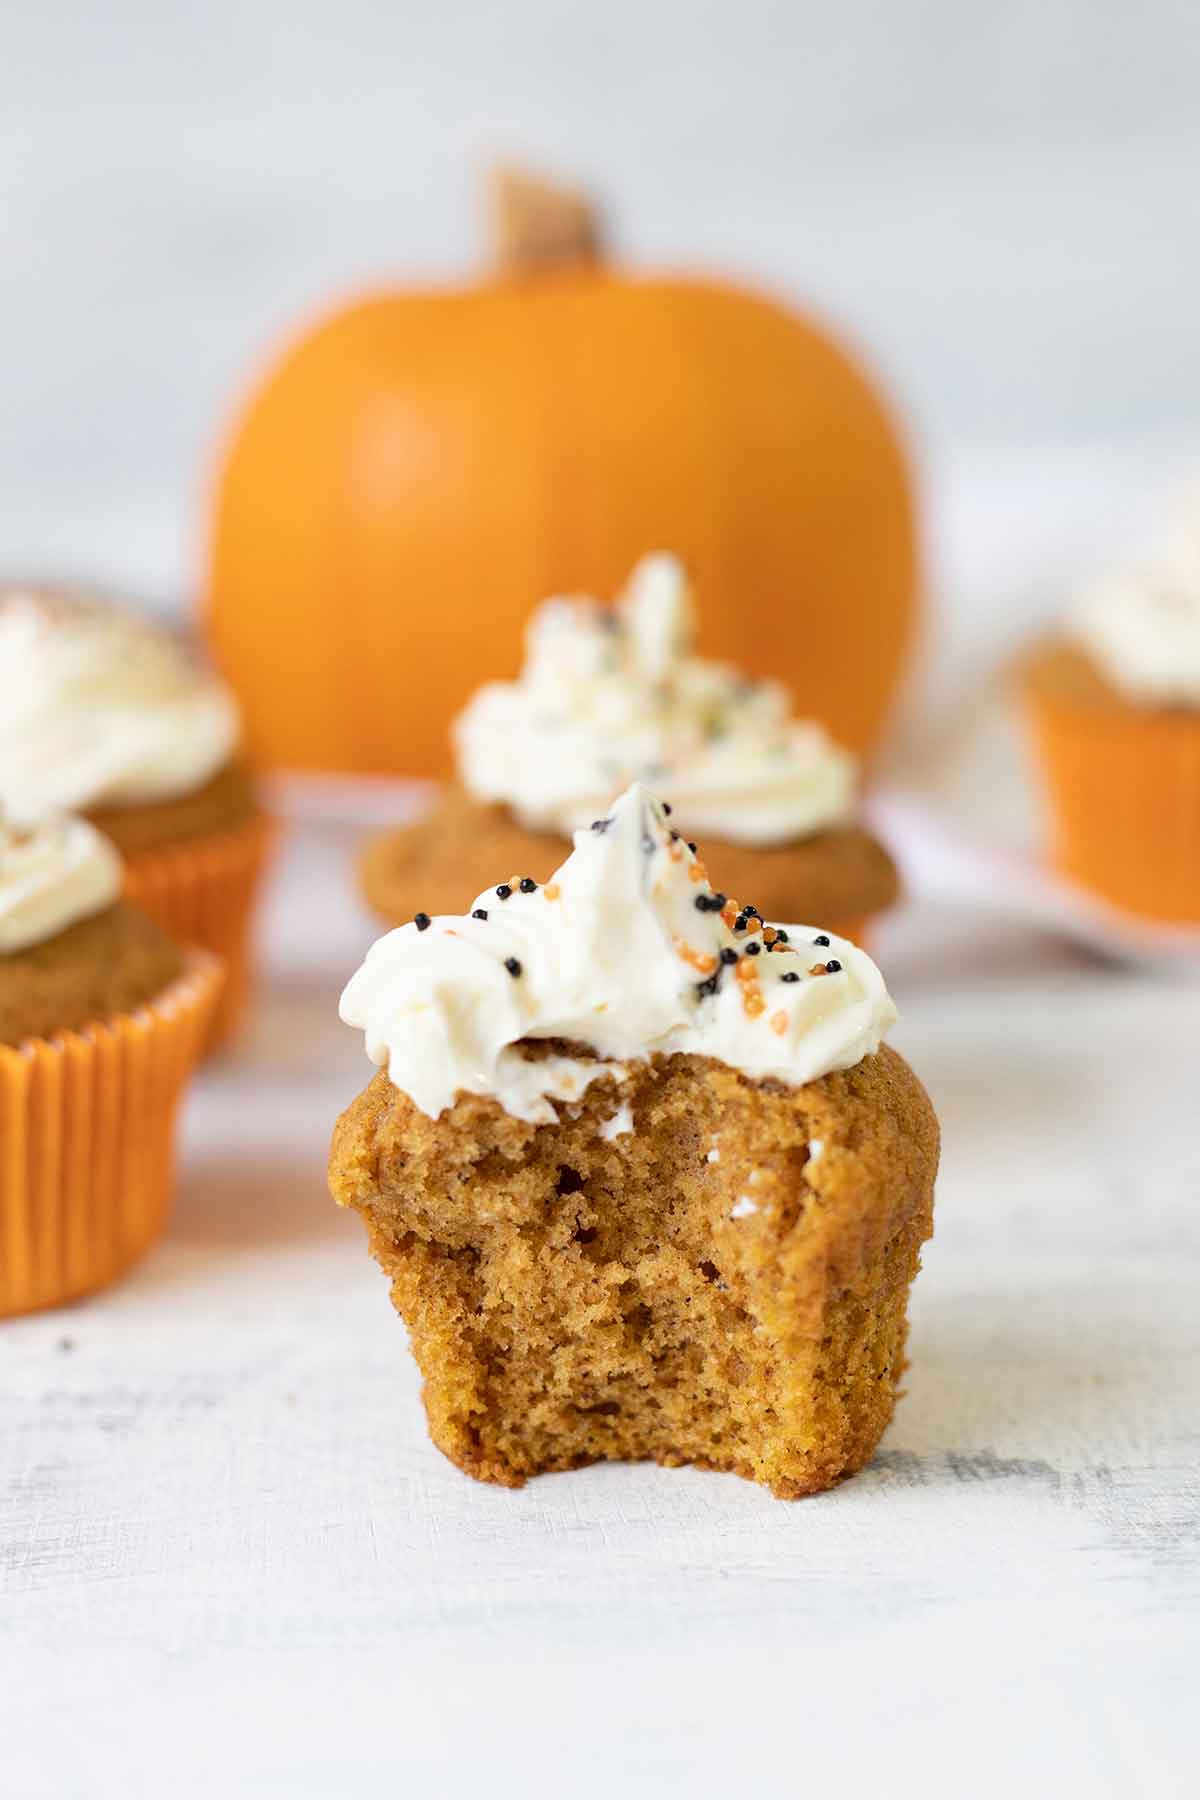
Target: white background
x=230, y=1563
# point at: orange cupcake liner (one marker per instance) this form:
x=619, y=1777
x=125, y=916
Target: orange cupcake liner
x=855, y=929
x=87, y=1129
x=204, y=894
x=1124, y=786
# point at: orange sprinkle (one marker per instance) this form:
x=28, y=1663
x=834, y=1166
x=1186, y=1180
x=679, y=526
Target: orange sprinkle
x=818, y=969
x=769, y=934
x=697, y=871
x=779, y=1023
x=753, y=925
x=746, y=970
x=552, y=890
x=695, y=959
x=753, y=1003
x=729, y=913
x=674, y=851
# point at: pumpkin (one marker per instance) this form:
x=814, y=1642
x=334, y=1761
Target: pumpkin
x=417, y=472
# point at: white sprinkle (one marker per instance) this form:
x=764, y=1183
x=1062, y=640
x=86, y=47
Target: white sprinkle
x=622, y=1120
x=745, y=1206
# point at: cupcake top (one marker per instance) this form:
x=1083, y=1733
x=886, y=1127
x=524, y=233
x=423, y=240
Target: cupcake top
x=101, y=709
x=627, y=951
x=1141, y=626
x=52, y=875
x=608, y=695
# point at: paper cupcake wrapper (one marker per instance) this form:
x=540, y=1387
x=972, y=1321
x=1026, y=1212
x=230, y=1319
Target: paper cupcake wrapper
x=87, y=1129
x=1124, y=787
x=204, y=894
x=856, y=930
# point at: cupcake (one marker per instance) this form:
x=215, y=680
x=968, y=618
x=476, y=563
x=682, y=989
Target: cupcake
x=643, y=1177
x=1113, y=704
x=102, y=1017
x=106, y=716
x=609, y=695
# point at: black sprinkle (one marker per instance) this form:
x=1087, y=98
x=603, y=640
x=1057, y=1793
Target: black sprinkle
x=833, y=968
x=781, y=936
x=512, y=965
x=601, y=824
x=666, y=805
x=527, y=884
x=674, y=837
x=709, y=902
x=739, y=924
x=480, y=912
x=718, y=901
x=692, y=848
x=503, y=891
x=709, y=986
x=422, y=921
x=822, y=940
x=729, y=956
x=753, y=949
x=791, y=976
x=752, y=912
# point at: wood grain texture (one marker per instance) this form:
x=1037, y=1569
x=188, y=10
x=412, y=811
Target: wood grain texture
x=231, y=1562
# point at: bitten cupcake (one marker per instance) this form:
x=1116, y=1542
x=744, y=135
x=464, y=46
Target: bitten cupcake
x=102, y=1017
x=610, y=695
x=1113, y=704
x=644, y=1178
x=105, y=715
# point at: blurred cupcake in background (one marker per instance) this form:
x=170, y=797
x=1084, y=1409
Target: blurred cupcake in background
x=1113, y=703
x=106, y=715
x=612, y=695
x=102, y=1018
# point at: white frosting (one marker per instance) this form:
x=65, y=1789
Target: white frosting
x=615, y=953
x=1142, y=625
x=52, y=875
x=101, y=709
x=612, y=695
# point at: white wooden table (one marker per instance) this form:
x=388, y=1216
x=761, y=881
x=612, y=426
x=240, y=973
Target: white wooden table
x=232, y=1564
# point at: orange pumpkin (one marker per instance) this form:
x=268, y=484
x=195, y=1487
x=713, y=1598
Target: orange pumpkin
x=419, y=471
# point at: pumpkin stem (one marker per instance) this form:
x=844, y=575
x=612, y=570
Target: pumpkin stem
x=538, y=227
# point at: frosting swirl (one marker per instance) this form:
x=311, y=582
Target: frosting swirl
x=1142, y=626
x=627, y=950
x=101, y=709
x=52, y=875
x=611, y=695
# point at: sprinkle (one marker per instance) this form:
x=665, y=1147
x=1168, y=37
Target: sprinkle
x=754, y=923
x=779, y=1023
x=821, y=941
x=753, y=949
x=706, y=988
x=740, y=923
x=709, y=902
x=770, y=934
x=753, y=1003
x=781, y=935
x=752, y=912
x=552, y=890
x=747, y=972
x=728, y=955
x=512, y=965
x=601, y=824
x=527, y=885
x=666, y=806
x=422, y=921
x=695, y=959
x=791, y=976
x=480, y=912
x=503, y=891
x=692, y=848
x=833, y=968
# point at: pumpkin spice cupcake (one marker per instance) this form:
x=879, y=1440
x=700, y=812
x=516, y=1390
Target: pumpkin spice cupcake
x=644, y=1180
x=102, y=1017
x=1113, y=704
x=611, y=695
x=105, y=715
